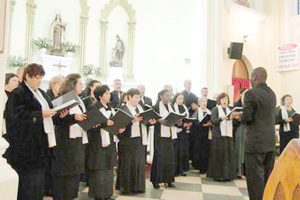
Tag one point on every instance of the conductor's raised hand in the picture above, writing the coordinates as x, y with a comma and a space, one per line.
152, 121
137, 119
80, 117
64, 113
110, 122
122, 130
48, 113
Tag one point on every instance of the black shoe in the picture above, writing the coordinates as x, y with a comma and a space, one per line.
183, 174
155, 185
171, 185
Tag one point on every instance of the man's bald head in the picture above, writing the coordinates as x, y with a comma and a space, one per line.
258, 76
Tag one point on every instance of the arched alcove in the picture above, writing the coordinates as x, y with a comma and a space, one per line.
240, 77
128, 66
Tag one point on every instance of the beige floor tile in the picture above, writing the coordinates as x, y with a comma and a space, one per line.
132, 198
241, 183
179, 195
226, 190
188, 179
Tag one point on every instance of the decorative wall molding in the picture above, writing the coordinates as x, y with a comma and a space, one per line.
84, 17
31, 6
128, 68
12, 4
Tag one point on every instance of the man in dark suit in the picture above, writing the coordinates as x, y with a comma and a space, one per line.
210, 103
144, 100
189, 97
259, 119
116, 94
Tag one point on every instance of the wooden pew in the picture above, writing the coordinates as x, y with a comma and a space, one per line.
284, 181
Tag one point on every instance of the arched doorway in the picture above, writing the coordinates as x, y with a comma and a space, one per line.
240, 78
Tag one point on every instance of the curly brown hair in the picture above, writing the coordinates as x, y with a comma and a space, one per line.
221, 96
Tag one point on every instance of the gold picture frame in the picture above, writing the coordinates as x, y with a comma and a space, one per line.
2, 24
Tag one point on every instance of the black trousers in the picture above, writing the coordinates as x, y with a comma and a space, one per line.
65, 187
31, 185
258, 169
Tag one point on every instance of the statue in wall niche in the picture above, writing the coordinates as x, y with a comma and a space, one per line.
117, 53
57, 32
244, 3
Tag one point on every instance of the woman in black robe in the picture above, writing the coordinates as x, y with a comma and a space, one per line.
54, 87
101, 150
131, 165
69, 153
203, 137
87, 95
30, 130
181, 144
221, 164
162, 170
289, 128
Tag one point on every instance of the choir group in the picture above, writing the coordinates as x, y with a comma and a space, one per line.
51, 153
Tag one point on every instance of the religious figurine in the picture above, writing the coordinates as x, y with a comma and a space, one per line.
57, 34
117, 53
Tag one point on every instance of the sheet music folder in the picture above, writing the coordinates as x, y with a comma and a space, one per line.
94, 117
68, 100
149, 114
121, 120
172, 118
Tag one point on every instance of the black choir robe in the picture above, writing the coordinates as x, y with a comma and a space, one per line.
100, 162
147, 101
181, 149
114, 99
201, 147
221, 164
211, 104
286, 137
162, 170
69, 160
27, 139
131, 163
189, 98
50, 94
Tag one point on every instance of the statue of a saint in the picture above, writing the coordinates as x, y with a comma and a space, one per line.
57, 31
117, 53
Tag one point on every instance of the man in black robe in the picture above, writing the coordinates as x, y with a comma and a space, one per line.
144, 100
189, 97
260, 144
210, 103
116, 94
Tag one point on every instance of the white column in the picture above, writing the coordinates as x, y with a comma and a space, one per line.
102, 61
29, 30
9, 27
214, 44
83, 27
129, 71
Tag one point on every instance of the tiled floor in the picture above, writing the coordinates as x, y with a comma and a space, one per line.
189, 187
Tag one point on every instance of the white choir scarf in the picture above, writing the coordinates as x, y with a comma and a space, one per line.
284, 115
187, 114
75, 130
225, 125
166, 131
105, 138
4, 131
48, 122
201, 116
135, 127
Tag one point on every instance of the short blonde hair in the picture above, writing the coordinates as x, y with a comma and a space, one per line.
54, 80
200, 99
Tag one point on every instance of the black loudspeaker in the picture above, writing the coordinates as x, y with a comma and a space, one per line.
236, 50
